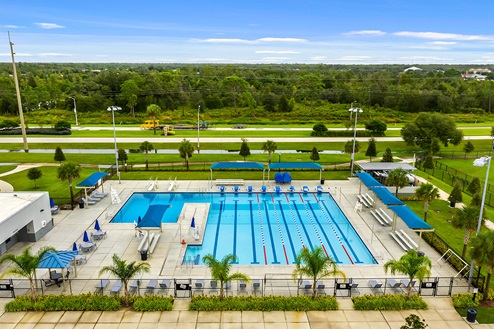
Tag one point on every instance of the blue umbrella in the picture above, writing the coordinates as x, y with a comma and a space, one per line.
193, 223
74, 246
85, 238
96, 226
139, 220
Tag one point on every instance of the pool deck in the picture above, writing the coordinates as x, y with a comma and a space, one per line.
166, 260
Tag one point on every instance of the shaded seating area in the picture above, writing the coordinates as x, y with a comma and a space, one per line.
93, 181
279, 166
60, 259
244, 165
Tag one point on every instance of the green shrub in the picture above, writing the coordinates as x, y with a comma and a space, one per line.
47, 303
266, 303
388, 302
8, 124
62, 125
465, 300
153, 303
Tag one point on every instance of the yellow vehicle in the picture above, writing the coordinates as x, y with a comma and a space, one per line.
148, 124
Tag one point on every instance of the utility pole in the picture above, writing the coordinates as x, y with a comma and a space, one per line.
19, 102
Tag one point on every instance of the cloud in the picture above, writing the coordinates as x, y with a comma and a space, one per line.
444, 36
318, 58
442, 43
250, 42
49, 26
428, 59
352, 58
276, 52
54, 55
8, 26
428, 47
370, 33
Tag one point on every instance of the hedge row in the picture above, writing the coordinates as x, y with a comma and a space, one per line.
263, 303
36, 131
388, 302
88, 302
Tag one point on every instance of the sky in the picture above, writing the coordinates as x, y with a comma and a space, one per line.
270, 31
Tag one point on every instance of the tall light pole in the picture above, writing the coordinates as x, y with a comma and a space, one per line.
480, 163
198, 144
75, 111
113, 109
355, 110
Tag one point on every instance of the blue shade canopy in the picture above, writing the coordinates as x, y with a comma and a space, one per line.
295, 165
74, 247
413, 221
85, 237
386, 196
96, 226
367, 179
57, 259
237, 165
92, 179
153, 216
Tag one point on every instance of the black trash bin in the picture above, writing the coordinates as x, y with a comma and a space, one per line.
81, 204
421, 253
471, 315
322, 180
144, 254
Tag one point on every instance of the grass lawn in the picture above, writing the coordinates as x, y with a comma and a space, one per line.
6, 168
484, 314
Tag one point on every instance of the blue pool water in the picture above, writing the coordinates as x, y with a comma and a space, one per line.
260, 228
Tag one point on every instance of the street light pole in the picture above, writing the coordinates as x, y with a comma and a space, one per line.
198, 145
75, 111
357, 111
113, 109
480, 163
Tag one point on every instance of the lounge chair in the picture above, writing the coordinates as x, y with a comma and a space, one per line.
307, 287
199, 287
101, 286
165, 285
242, 288
214, 287
89, 202
134, 286
54, 208
97, 194
395, 285
256, 285
406, 283
92, 199
320, 288
115, 289
376, 286
151, 286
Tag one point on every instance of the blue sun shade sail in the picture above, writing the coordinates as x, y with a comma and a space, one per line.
294, 165
153, 216
57, 259
386, 196
237, 165
413, 221
368, 180
92, 180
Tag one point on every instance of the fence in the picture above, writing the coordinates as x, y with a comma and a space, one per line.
269, 285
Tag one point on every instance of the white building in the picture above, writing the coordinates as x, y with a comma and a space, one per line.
24, 216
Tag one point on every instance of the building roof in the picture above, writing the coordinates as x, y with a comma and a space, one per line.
92, 179
413, 68
386, 166
13, 202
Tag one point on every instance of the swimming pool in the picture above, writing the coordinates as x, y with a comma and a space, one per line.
260, 228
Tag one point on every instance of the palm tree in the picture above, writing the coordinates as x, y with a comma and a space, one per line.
125, 271
412, 265
25, 265
467, 219
154, 111
220, 270
316, 265
146, 147
270, 147
186, 150
482, 253
398, 178
427, 193
68, 171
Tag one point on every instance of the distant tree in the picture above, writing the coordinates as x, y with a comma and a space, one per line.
476, 200
314, 154
482, 253
428, 162
34, 174
349, 146
474, 186
62, 125
371, 149
428, 126
59, 156
427, 193
69, 171
235, 85
270, 147
387, 156
244, 149
319, 129
397, 178
146, 147
311, 87
154, 111
129, 91
186, 150
122, 156
468, 147
466, 219
269, 101
376, 127
456, 194
283, 104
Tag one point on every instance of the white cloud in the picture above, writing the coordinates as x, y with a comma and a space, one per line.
54, 55
318, 58
12, 26
444, 36
246, 41
49, 26
427, 59
275, 58
277, 52
371, 33
428, 47
442, 43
